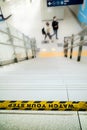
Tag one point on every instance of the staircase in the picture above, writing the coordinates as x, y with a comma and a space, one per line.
51, 79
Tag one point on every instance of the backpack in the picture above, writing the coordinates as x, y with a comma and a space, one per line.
43, 31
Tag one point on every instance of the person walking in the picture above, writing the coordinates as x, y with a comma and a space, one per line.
48, 30
55, 27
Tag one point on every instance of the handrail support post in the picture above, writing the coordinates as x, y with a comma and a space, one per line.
65, 47
80, 49
25, 47
71, 51
11, 40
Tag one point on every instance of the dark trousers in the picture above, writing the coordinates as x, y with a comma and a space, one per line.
55, 33
48, 34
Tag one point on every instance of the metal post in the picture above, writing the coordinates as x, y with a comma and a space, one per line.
30, 1
71, 51
11, 40
65, 47
80, 49
25, 47
32, 46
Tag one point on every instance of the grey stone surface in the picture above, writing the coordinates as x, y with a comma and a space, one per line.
43, 121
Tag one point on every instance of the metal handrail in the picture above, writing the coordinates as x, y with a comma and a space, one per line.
79, 33
77, 44
3, 32
22, 39
12, 45
84, 30
16, 37
19, 46
5, 44
73, 45
76, 39
73, 39
11, 35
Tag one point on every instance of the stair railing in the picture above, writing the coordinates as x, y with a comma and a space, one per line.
17, 42
73, 41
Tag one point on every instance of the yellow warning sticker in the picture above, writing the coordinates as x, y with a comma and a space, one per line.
44, 105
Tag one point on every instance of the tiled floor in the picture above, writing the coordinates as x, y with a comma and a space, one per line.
40, 121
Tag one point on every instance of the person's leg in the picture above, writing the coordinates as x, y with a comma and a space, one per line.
45, 36
49, 35
56, 33
53, 33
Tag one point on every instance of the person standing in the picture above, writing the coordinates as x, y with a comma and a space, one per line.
55, 27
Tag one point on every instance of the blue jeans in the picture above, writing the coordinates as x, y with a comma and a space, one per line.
55, 33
